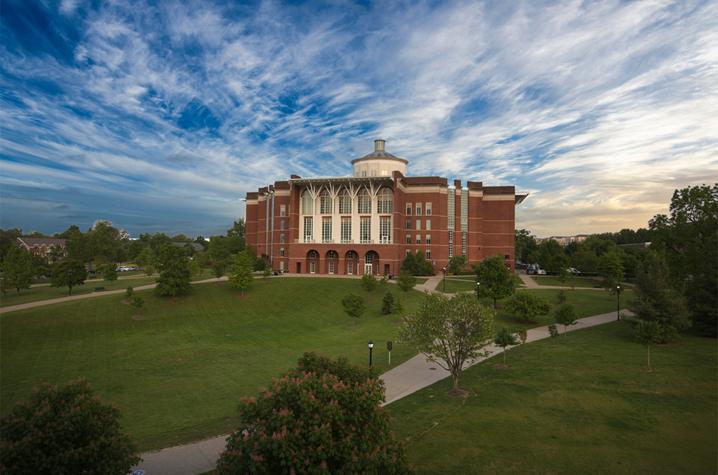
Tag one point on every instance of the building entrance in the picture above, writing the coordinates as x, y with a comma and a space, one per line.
367, 269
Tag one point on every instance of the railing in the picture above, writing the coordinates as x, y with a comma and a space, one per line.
304, 241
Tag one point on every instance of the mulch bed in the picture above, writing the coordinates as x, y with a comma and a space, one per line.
137, 317
218, 285
127, 302
240, 296
503, 366
459, 393
352, 326
524, 322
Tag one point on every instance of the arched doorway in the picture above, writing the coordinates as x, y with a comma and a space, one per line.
371, 263
332, 262
352, 261
312, 262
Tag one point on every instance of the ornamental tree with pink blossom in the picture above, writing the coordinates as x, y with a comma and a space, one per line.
322, 417
65, 430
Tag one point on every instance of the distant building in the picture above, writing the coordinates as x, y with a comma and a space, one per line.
564, 240
369, 222
197, 246
41, 246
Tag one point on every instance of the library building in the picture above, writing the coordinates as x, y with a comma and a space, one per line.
369, 222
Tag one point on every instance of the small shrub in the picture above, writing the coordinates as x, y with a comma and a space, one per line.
386, 303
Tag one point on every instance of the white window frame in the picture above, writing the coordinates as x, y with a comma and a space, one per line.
307, 203
385, 201
365, 231
345, 202
326, 230
331, 267
427, 239
282, 211
326, 203
346, 230
428, 209
308, 230
385, 230
418, 239
427, 227
281, 252
418, 209
364, 202
312, 267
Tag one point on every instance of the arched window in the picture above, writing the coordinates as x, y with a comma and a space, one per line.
364, 202
345, 202
368, 257
326, 204
307, 203
385, 201
313, 254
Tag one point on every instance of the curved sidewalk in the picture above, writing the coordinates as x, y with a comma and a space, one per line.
399, 382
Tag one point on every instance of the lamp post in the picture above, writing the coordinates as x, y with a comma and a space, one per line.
69, 284
618, 303
444, 279
371, 345
478, 291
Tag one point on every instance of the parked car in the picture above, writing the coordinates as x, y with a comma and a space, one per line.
540, 272
573, 270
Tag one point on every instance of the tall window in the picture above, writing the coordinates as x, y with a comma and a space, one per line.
428, 253
451, 244
326, 204
365, 230
326, 230
281, 223
282, 210
418, 209
408, 209
368, 257
331, 267
350, 268
463, 244
364, 202
312, 267
373, 173
428, 209
346, 230
450, 207
418, 225
332, 254
281, 238
345, 202
428, 225
281, 252
385, 201
408, 224
307, 203
385, 230
281, 266
408, 239
308, 230
465, 209
428, 239
418, 239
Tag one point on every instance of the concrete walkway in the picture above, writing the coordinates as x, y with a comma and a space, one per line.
401, 381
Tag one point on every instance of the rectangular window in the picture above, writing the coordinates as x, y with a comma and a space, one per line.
307, 203
450, 208
465, 209
463, 244
418, 239
385, 230
281, 252
408, 239
428, 209
326, 230
363, 174
350, 268
331, 267
281, 266
507, 257
428, 254
428, 239
281, 224
365, 231
418, 225
428, 225
373, 173
418, 209
451, 244
408, 209
346, 230
408, 224
408, 251
312, 267
308, 230
345, 203
281, 238
282, 210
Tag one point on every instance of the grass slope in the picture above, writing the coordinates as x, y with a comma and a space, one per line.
587, 407
177, 375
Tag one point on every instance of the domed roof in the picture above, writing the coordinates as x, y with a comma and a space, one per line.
379, 152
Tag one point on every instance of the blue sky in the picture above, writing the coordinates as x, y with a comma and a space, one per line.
159, 116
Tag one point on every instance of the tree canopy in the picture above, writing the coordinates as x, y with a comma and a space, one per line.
18, 269
241, 276
68, 273
495, 278
527, 305
175, 272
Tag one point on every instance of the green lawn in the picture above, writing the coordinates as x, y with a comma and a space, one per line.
178, 374
465, 284
576, 281
588, 407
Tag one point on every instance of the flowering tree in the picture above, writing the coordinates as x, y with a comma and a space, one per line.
321, 417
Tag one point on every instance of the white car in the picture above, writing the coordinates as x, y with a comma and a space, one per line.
573, 270
540, 272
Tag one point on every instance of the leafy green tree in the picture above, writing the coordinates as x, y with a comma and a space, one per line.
386, 303
522, 335
137, 302
406, 282
129, 293
181, 238
267, 273
175, 273
18, 270
8, 240
323, 417
553, 331
495, 278
354, 306
551, 256
410, 265
562, 275
424, 266
457, 264
195, 268
656, 301
68, 273
647, 333
218, 269
369, 283
398, 308
146, 258
610, 265
566, 315
134, 250
561, 297
241, 275
585, 261
66, 233
65, 430
527, 305
524, 244
57, 253
109, 274
218, 249
384, 283
449, 332
202, 260
505, 338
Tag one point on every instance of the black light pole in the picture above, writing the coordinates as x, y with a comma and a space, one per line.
478, 293
618, 303
69, 284
371, 345
444, 279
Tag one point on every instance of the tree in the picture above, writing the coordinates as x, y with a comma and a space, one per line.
137, 302
553, 331
409, 264
657, 301
610, 265
267, 273
562, 275
527, 305
68, 273
386, 303
551, 256
406, 282
241, 275
398, 308
18, 270
368, 283
134, 250
561, 297
146, 258
424, 266
585, 261
57, 253
495, 278
505, 338
566, 315
109, 274
175, 273
65, 430
522, 335
524, 244
323, 416
202, 260
647, 333
457, 264
129, 293
354, 306
218, 269
383, 283
455, 330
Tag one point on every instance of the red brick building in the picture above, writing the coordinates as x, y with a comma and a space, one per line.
41, 246
370, 221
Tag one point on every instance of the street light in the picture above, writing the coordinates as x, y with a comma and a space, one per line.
478, 291
69, 284
371, 345
444, 279
618, 303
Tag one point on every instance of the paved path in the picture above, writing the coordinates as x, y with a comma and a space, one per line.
401, 381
